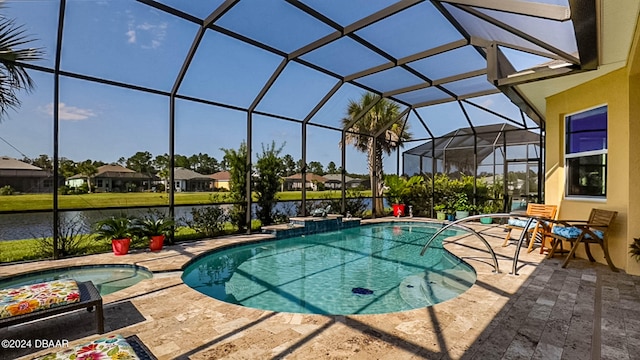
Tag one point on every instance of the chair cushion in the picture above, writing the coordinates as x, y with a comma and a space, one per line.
110, 347
571, 232
30, 298
521, 223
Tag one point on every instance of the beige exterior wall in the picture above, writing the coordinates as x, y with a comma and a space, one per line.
221, 184
620, 91
634, 146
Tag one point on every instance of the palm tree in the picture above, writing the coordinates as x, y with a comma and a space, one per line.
384, 114
13, 77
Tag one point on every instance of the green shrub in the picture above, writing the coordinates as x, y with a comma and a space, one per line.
354, 205
209, 221
238, 169
419, 197
6, 190
73, 238
270, 169
446, 191
461, 203
82, 189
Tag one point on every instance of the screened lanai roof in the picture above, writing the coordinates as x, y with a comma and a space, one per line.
484, 138
254, 55
417, 53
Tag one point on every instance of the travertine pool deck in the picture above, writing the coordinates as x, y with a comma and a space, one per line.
545, 312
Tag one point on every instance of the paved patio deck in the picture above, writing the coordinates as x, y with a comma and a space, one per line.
546, 312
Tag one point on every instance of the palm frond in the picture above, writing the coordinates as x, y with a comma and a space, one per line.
13, 76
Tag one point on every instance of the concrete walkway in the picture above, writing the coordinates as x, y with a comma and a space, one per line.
545, 312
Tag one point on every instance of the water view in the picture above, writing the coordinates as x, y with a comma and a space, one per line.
38, 225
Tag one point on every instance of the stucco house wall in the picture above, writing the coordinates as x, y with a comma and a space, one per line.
620, 91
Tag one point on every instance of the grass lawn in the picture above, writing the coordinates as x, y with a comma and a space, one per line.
101, 200
28, 249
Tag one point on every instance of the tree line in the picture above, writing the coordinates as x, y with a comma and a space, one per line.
145, 163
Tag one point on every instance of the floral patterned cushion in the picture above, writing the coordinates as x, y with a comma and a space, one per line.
106, 348
30, 298
571, 232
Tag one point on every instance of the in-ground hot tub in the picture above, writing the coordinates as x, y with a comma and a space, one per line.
108, 278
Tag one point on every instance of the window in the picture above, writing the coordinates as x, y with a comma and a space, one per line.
586, 153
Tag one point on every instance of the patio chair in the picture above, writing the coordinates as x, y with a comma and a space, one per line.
537, 226
593, 231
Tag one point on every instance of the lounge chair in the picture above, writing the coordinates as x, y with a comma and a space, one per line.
87, 297
109, 347
536, 227
595, 231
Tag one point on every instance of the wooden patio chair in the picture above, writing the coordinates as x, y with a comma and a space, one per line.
541, 227
593, 231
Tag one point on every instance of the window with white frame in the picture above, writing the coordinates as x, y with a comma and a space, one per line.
586, 153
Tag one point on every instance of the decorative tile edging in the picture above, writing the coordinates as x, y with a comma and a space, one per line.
299, 226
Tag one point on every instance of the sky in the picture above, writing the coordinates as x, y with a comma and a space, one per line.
130, 42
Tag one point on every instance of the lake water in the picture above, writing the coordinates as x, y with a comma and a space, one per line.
38, 225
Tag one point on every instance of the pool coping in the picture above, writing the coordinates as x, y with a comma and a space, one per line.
70, 267
171, 329
466, 265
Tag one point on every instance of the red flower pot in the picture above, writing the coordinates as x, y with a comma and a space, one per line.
120, 246
398, 210
156, 242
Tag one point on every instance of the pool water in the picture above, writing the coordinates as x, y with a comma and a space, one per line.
107, 278
372, 269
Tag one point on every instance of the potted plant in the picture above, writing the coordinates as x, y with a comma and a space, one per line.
462, 206
156, 228
634, 249
449, 208
487, 209
490, 207
441, 211
398, 189
118, 229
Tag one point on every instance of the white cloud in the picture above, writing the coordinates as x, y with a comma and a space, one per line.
70, 112
487, 103
131, 36
145, 26
147, 35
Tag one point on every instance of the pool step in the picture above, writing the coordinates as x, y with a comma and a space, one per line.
428, 288
299, 226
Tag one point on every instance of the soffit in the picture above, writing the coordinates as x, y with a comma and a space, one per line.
617, 27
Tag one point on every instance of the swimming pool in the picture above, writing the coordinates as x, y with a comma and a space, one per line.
107, 278
371, 269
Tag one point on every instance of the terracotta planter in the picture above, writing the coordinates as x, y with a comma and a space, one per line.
156, 242
398, 210
120, 246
